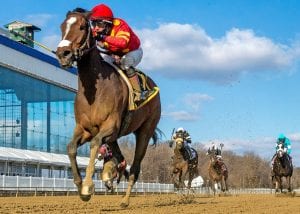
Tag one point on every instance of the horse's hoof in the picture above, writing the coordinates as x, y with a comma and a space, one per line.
85, 197
88, 190
124, 203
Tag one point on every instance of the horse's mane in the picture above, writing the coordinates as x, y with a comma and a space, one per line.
79, 10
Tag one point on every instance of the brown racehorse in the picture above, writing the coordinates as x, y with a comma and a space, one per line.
218, 173
101, 105
282, 167
181, 168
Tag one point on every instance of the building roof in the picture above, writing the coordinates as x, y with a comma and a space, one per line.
35, 157
22, 24
4, 32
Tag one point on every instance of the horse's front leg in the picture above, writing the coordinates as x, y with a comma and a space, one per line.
276, 185
72, 153
280, 184
185, 175
88, 186
213, 186
226, 184
223, 184
289, 183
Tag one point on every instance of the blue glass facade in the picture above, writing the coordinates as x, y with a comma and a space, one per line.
35, 114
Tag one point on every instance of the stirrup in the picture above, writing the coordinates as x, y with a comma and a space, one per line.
147, 93
142, 96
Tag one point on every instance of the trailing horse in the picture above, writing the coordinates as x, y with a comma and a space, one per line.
101, 105
282, 167
217, 171
183, 169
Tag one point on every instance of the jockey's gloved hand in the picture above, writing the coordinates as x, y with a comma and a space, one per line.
100, 37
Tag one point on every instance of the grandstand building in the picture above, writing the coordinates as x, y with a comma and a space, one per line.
36, 111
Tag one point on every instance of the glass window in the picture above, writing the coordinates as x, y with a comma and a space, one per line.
34, 114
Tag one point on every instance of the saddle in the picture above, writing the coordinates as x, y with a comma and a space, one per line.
190, 156
287, 161
220, 167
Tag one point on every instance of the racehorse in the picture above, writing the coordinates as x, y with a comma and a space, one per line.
282, 167
217, 171
101, 104
183, 169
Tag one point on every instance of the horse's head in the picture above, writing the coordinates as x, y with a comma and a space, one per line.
212, 155
179, 140
280, 150
76, 35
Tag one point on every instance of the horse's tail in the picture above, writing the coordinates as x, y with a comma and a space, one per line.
157, 135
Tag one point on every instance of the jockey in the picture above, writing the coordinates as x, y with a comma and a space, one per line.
217, 151
286, 143
287, 148
122, 44
187, 140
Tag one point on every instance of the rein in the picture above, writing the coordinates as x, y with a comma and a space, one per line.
85, 47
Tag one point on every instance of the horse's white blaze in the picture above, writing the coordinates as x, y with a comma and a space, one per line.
65, 42
70, 21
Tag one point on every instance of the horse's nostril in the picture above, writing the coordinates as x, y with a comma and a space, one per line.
66, 53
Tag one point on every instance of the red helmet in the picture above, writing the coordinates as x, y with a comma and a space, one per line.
102, 11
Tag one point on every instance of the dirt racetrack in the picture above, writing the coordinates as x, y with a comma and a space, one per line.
152, 204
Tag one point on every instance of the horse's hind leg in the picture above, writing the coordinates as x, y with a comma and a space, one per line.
280, 184
118, 155
142, 139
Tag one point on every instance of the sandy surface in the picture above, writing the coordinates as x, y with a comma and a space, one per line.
152, 204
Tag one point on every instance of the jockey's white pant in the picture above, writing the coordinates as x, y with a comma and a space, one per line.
131, 59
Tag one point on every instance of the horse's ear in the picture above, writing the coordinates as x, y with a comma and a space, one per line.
79, 10
68, 13
87, 14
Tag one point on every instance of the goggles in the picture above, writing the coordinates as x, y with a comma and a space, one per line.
100, 23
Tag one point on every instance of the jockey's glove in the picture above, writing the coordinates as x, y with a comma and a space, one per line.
99, 36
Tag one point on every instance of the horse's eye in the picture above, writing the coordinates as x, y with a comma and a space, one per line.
82, 28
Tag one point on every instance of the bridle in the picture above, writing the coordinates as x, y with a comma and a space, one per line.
280, 152
85, 46
179, 142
